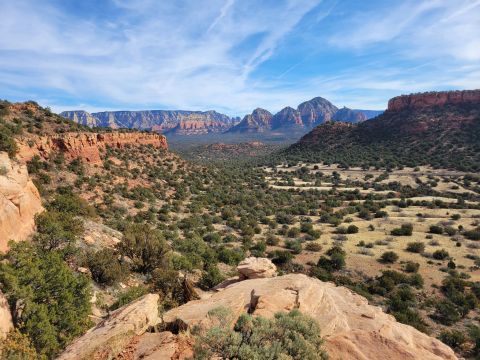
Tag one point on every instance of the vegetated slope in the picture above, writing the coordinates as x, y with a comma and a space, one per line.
441, 133
179, 122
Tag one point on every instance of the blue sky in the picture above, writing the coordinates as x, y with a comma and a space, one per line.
234, 55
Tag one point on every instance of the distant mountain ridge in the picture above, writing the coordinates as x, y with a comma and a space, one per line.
300, 120
289, 122
441, 129
182, 122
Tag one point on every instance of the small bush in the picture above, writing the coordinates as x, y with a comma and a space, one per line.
286, 336
389, 257
404, 230
440, 254
416, 247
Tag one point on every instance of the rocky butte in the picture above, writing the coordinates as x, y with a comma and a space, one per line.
430, 99
85, 145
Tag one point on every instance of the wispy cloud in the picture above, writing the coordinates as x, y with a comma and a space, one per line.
233, 55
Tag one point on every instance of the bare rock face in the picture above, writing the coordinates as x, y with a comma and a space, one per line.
256, 268
86, 146
429, 99
6, 323
19, 202
110, 337
352, 328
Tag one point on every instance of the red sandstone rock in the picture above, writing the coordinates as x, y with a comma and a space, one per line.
19, 202
429, 99
86, 145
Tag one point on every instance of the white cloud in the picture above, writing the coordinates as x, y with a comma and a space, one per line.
206, 54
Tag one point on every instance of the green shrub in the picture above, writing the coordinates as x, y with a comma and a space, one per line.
57, 230
404, 230
105, 267
286, 336
440, 254
128, 296
146, 248
51, 302
416, 247
389, 257
436, 229
211, 277
452, 338
411, 267
352, 229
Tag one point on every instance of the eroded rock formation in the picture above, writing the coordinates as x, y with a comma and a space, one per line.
114, 334
19, 202
429, 99
256, 268
86, 146
352, 328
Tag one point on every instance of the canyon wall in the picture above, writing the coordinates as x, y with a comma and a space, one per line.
19, 202
429, 99
86, 146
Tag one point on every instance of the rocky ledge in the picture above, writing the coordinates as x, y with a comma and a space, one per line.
429, 99
86, 146
352, 328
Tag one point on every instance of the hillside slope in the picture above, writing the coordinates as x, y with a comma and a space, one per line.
441, 129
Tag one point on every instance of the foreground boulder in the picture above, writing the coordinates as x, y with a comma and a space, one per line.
111, 336
256, 268
352, 328
5, 317
19, 202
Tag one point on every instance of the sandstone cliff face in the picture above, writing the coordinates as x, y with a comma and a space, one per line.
316, 111
86, 146
156, 120
352, 329
287, 117
19, 202
429, 99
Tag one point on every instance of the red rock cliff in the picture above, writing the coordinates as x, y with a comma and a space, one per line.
85, 145
423, 100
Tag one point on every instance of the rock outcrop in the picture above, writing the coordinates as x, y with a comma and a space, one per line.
352, 328
259, 120
429, 99
19, 202
111, 336
256, 268
316, 111
85, 145
6, 323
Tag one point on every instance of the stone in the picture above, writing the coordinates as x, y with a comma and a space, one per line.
352, 328
256, 268
111, 336
6, 324
19, 202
